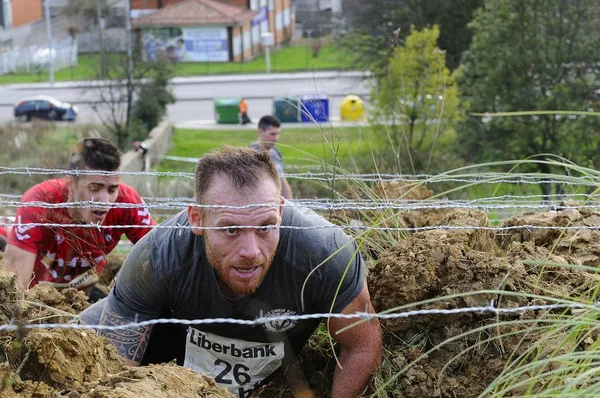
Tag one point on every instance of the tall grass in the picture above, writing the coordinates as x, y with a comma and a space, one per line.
555, 353
39, 144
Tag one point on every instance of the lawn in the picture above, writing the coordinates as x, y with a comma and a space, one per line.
303, 150
300, 147
292, 58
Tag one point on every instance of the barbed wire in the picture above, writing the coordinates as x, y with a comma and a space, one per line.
500, 199
333, 206
528, 227
267, 319
492, 178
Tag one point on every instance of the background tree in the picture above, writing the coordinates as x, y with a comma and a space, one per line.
419, 97
84, 8
130, 105
153, 98
532, 55
376, 26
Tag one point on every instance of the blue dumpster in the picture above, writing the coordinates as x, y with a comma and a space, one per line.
314, 108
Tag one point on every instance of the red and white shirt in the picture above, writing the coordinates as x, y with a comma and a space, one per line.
65, 253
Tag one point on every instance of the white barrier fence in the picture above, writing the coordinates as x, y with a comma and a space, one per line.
35, 58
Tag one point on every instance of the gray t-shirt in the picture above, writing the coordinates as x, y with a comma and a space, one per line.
275, 157
167, 274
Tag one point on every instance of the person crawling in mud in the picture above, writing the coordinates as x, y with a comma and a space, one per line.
74, 256
247, 253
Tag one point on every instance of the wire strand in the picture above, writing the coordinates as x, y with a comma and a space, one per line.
423, 205
491, 178
528, 227
262, 320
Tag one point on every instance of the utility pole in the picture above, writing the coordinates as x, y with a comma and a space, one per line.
129, 39
129, 60
50, 47
308, 43
101, 39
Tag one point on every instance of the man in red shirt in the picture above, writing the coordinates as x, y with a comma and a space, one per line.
74, 256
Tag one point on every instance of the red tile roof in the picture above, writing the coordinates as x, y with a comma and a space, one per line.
196, 12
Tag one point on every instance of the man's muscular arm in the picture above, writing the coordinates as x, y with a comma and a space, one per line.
20, 262
138, 295
360, 348
131, 343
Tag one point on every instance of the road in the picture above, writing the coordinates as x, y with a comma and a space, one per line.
195, 95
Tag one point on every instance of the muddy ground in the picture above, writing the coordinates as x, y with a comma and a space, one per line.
420, 266
76, 363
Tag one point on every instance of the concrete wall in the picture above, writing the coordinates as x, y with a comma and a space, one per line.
158, 144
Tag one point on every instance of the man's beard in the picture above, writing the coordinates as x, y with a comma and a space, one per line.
242, 288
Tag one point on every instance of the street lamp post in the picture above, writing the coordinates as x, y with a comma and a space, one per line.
50, 47
308, 43
267, 41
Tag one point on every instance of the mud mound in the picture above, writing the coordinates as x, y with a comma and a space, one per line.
583, 244
437, 263
398, 189
168, 381
556, 277
42, 304
9, 293
160, 381
64, 358
69, 300
76, 363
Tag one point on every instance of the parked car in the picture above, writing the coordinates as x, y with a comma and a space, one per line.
44, 107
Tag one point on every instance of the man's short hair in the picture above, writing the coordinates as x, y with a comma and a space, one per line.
95, 154
243, 166
268, 121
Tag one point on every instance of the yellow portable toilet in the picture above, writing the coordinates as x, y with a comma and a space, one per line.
352, 109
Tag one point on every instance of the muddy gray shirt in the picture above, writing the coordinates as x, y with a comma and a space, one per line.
167, 275
275, 157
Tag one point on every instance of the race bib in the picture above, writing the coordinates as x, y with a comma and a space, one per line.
237, 365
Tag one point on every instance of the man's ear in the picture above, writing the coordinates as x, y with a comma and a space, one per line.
195, 219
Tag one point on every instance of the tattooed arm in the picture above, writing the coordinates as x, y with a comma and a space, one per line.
131, 342
138, 295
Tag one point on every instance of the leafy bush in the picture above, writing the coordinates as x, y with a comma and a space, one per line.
416, 101
153, 98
